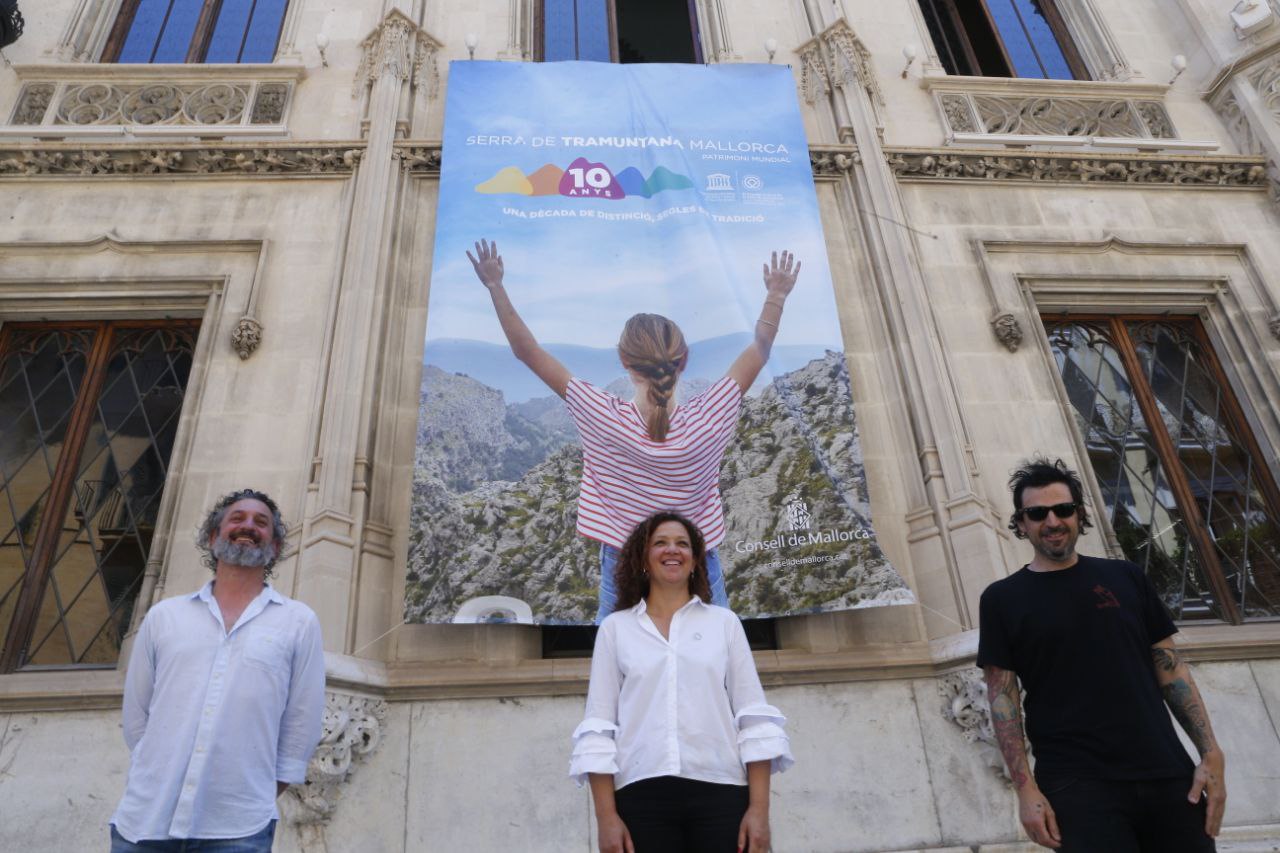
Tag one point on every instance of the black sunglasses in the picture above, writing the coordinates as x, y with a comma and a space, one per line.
1040, 513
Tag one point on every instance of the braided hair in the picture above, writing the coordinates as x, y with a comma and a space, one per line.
654, 347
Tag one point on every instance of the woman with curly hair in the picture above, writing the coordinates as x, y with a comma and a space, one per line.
672, 769
651, 454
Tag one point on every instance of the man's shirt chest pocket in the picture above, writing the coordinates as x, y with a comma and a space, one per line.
267, 650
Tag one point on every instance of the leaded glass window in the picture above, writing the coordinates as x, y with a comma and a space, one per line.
172, 31
88, 417
1187, 493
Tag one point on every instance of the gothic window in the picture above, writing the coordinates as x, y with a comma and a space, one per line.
1184, 482
1003, 38
88, 417
620, 30
170, 31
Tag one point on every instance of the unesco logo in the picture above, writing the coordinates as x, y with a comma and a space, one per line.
752, 182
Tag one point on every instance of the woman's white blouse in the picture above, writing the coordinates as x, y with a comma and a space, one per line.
691, 706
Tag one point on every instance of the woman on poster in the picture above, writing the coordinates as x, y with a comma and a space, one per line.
651, 454
676, 768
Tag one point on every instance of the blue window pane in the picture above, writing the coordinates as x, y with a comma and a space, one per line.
1032, 47
175, 39
264, 31
228, 32
559, 28
593, 30
140, 43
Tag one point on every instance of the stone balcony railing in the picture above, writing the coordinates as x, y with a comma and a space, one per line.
76, 100
1000, 111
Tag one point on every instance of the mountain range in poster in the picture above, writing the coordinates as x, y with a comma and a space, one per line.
495, 488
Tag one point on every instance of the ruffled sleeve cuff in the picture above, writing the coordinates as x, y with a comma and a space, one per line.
594, 749
762, 738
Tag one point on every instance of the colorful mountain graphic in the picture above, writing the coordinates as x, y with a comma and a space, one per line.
584, 179
509, 181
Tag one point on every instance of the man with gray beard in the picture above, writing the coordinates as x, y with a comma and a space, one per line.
223, 698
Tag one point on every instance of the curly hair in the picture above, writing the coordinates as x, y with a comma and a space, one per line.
654, 347
214, 520
631, 576
1038, 472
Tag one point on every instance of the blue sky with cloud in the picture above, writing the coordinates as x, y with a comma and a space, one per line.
576, 280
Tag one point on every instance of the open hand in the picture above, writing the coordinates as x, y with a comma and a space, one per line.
487, 263
780, 273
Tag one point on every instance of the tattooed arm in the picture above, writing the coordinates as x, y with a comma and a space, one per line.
1183, 698
1006, 717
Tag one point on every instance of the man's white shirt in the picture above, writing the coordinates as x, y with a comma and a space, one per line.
213, 718
689, 706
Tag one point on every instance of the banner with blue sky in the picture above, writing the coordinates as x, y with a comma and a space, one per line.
611, 190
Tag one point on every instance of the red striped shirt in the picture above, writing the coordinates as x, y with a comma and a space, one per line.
626, 476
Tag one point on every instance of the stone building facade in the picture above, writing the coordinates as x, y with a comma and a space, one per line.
264, 227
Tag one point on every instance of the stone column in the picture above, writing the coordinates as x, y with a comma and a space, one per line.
955, 546
329, 563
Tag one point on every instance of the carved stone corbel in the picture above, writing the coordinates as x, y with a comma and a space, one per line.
246, 337
964, 703
1274, 325
1007, 330
352, 731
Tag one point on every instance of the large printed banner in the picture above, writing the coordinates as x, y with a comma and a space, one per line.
612, 190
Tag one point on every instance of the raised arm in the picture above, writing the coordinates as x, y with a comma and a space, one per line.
1183, 698
779, 279
1006, 718
488, 266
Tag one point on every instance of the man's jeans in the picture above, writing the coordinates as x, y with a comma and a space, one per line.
609, 593
259, 842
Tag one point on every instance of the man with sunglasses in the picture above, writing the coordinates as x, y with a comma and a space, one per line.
1092, 645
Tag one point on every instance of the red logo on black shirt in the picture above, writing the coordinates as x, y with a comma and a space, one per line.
1106, 598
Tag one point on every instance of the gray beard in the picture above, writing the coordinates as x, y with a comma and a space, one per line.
246, 556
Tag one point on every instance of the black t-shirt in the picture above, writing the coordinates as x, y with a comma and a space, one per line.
1080, 641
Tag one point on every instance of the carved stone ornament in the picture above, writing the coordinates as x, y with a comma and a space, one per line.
62, 160
352, 731
850, 60
419, 159
269, 104
814, 82
959, 112
1274, 325
247, 336
33, 103
831, 164
1238, 125
1050, 115
1007, 330
399, 47
159, 104
1266, 81
947, 165
964, 702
